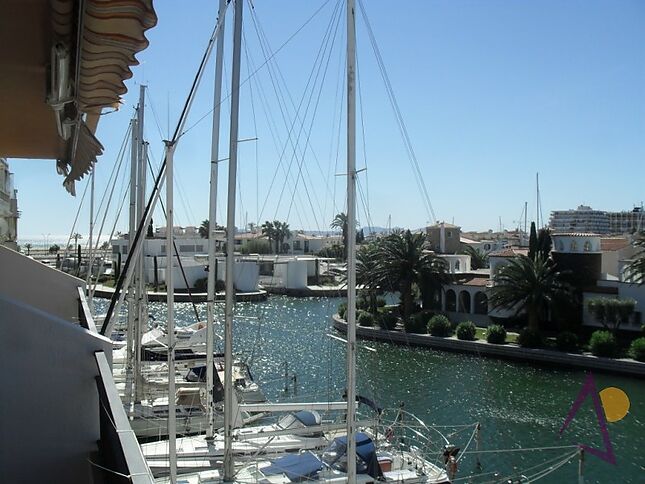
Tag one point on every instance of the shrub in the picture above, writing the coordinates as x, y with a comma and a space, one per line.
603, 343
496, 334
342, 310
466, 331
256, 246
529, 338
365, 318
637, 349
417, 323
387, 320
363, 303
439, 325
567, 341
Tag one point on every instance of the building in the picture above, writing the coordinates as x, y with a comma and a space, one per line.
444, 238
627, 222
298, 243
614, 251
581, 220
8, 207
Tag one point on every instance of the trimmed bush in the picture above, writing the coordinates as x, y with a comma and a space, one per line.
637, 349
529, 338
603, 343
567, 341
439, 325
417, 323
365, 318
387, 321
466, 331
342, 310
496, 334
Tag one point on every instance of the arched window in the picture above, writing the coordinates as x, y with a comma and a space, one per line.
574, 246
464, 302
457, 265
481, 303
451, 300
587, 245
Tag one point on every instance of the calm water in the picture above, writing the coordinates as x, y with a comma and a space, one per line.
518, 405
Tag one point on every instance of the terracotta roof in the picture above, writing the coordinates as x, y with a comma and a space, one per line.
610, 244
576, 234
446, 225
509, 252
472, 280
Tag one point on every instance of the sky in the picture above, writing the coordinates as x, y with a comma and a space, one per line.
490, 93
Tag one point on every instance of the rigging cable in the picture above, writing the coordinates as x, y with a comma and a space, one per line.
399, 117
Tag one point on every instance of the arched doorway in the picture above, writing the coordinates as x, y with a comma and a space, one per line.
451, 300
464, 302
481, 303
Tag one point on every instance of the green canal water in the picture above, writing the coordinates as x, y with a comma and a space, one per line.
518, 405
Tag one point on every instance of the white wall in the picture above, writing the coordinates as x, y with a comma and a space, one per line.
34, 283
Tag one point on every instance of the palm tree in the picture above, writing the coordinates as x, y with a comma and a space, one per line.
478, 258
405, 262
367, 272
269, 229
528, 285
281, 232
635, 271
340, 222
28, 247
203, 229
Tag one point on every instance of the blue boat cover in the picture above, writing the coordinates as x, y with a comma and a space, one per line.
296, 467
365, 448
307, 418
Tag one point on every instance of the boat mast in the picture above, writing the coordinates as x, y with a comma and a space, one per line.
170, 301
130, 339
140, 317
90, 254
230, 246
212, 218
351, 241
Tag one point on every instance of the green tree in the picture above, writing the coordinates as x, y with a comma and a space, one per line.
282, 232
611, 312
269, 229
205, 226
340, 222
533, 242
368, 274
54, 249
28, 247
635, 271
405, 263
528, 285
478, 258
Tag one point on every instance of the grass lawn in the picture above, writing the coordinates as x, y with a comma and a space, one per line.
510, 337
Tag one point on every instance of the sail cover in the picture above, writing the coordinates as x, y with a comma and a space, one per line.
296, 467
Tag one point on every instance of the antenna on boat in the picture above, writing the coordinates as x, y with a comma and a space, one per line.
230, 247
212, 217
351, 240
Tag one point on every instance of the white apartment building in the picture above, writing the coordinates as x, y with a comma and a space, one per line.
8, 207
581, 220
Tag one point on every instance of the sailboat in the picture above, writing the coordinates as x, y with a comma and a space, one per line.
350, 456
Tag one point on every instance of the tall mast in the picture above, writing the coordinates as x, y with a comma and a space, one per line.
230, 246
351, 240
170, 301
212, 218
90, 255
140, 317
537, 200
131, 234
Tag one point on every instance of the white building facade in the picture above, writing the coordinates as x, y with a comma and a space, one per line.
8, 207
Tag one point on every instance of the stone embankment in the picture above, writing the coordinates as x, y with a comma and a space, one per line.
507, 351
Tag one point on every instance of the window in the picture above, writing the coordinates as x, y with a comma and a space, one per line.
574, 246
486, 246
451, 300
587, 246
124, 249
115, 249
457, 265
296, 245
163, 249
449, 233
186, 248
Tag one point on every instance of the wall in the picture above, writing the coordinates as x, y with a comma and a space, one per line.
49, 406
625, 290
34, 283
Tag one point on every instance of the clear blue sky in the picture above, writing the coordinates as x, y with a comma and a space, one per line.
491, 92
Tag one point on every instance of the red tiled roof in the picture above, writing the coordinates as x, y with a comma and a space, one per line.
472, 280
